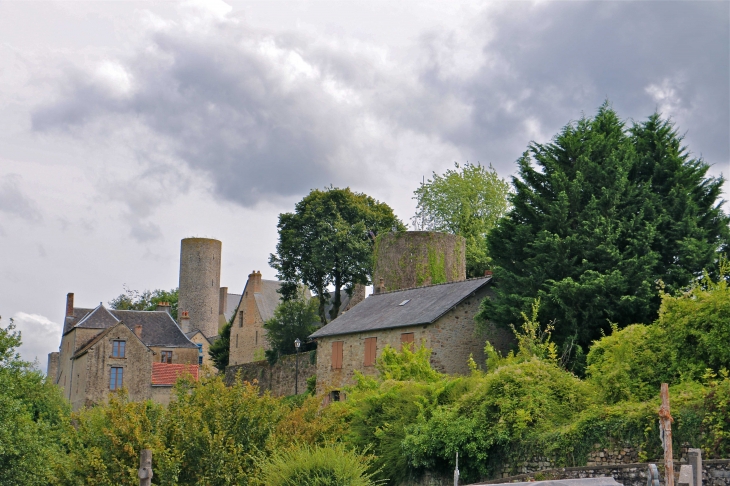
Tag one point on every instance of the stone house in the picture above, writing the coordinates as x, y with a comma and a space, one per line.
256, 306
441, 317
105, 349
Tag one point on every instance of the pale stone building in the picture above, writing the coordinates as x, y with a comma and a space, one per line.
103, 350
441, 317
256, 306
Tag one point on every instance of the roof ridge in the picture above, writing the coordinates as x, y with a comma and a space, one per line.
432, 285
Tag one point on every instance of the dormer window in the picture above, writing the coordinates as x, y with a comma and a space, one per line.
118, 349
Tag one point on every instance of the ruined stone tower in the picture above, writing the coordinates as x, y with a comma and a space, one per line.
417, 258
200, 283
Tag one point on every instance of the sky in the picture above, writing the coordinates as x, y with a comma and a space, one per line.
126, 126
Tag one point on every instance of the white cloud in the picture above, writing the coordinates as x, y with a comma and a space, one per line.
40, 336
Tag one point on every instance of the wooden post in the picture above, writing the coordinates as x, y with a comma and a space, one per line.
665, 432
145, 468
456, 470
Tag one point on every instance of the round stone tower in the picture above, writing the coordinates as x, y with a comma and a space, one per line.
417, 258
200, 281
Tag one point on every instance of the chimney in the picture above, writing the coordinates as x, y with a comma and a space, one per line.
255, 281
185, 321
163, 306
223, 301
380, 288
487, 273
69, 304
138, 330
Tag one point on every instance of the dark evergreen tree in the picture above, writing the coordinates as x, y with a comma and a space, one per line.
600, 215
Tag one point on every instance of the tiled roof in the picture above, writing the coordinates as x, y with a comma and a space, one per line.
168, 373
408, 307
158, 327
231, 305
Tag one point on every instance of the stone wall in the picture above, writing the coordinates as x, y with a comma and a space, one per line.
452, 338
279, 379
417, 258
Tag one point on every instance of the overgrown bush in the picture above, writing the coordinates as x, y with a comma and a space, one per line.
332, 465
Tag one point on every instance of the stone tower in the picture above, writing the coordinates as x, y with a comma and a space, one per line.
417, 258
200, 282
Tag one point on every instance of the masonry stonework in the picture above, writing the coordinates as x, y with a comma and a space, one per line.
199, 287
248, 336
452, 339
278, 379
418, 258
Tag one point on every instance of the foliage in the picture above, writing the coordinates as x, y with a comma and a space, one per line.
327, 241
406, 364
690, 336
309, 424
293, 319
598, 216
146, 300
331, 465
465, 201
220, 349
716, 421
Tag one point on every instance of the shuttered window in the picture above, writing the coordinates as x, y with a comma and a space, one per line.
337, 355
370, 347
406, 339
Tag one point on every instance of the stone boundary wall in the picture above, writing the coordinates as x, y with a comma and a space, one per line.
715, 472
278, 379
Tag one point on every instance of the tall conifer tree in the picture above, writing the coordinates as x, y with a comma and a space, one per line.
599, 216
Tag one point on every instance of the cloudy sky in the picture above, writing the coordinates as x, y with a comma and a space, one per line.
126, 126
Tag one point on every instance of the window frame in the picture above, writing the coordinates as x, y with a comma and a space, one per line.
117, 346
116, 378
167, 354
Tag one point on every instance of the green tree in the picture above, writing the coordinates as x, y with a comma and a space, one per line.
293, 319
328, 241
34, 420
146, 300
587, 233
219, 350
465, 201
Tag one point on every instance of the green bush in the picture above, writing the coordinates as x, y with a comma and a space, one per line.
332, 465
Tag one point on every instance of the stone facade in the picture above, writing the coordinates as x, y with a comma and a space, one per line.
418, 258
452, 338
199, 288
248, 336
197, 338
278, 379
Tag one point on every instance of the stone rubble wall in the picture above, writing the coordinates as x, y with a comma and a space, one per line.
279, 378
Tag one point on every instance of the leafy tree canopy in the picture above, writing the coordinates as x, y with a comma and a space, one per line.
220, 349
328, 241
293, 319
598, 217
146, 300
466, 201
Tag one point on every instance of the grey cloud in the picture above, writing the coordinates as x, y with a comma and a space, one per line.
14, 202
553, 60
261, 115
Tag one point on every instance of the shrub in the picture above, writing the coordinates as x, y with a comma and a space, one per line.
332, 465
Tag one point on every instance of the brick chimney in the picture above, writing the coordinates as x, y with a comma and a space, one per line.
380, 288
185, 321
69, 304
223, 301
255, 280
163, 306
138, 330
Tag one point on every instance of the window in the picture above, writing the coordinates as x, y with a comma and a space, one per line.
166, 357
200, 354
370, 347
236, 340
406, 339
118, 349
257, 337
117, 378
337, 355
240, 319
335, 396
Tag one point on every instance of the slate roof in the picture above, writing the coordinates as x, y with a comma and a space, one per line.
231, 305
268, 299
168, 373
382, 311
158, 328
192, 333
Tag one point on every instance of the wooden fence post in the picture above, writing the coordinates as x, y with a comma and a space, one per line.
145, 468
665, 433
